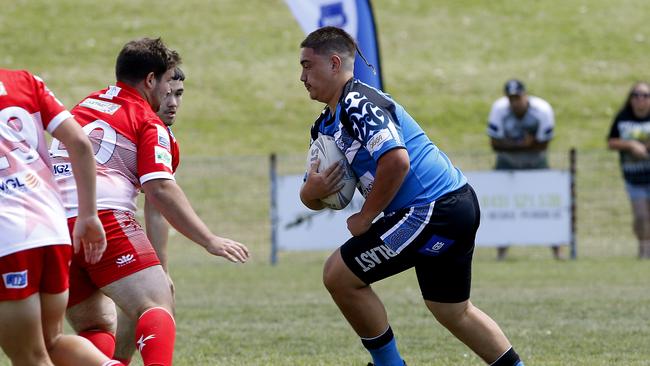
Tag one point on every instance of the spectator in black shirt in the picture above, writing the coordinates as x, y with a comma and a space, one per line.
630, 135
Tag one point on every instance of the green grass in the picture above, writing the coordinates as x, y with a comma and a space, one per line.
588, 312
445, 61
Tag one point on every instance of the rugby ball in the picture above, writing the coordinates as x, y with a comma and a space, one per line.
324, 148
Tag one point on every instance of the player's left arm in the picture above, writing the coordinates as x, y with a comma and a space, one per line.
392, 168
88, 230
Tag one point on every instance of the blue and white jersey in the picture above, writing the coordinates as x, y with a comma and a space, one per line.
366, 124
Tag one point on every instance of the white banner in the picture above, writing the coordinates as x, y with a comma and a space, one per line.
517, 208
314, 14
530, 207
299, 228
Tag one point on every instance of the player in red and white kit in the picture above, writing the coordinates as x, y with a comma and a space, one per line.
133, 152
155, 224
35, 246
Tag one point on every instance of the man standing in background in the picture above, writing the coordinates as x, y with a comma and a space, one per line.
520, 128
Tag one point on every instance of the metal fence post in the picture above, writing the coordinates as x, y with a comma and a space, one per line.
274, 210
572, 174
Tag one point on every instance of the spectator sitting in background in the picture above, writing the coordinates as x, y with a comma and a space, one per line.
630, 135
520, 127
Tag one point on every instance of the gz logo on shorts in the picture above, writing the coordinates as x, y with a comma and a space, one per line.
436, 246
15, 279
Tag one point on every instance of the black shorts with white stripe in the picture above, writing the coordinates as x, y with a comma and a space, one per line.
437, 239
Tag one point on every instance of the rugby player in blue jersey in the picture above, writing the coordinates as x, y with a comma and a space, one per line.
430, 212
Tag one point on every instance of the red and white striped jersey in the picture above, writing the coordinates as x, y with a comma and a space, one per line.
132, 146
32, 211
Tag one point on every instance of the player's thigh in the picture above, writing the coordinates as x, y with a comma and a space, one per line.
21, 334
447, 279
96, 311
140, 291
445, 251
370, 258
337, 274
54, 289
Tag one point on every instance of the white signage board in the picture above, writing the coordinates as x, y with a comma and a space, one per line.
517, 208
530, 207
299, 228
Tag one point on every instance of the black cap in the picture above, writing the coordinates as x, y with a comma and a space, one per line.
514, 87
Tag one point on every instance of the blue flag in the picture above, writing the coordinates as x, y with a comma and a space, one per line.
356, 18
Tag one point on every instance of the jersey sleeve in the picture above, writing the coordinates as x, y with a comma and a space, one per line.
495, 119
53, 112
373, 125
154, 153
546, 122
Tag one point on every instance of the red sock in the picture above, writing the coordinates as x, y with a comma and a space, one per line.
155, 334
103, 340
125, 361
113, 363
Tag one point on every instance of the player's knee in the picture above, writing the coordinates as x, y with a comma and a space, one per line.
338, 278
105, 321
332, 274
329, 278
50, 342
449, 314
36, 356
29, 353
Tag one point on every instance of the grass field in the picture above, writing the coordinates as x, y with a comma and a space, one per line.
445, 62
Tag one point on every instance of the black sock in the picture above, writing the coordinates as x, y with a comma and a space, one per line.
380, 341
383, 349
510, 358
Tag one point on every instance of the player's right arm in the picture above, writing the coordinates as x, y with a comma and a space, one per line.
320, 185
88, 230
171, 201
157, 231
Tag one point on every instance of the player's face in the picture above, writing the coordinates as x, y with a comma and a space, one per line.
640, 100
518, 104
317, 75
171, 102
161, 89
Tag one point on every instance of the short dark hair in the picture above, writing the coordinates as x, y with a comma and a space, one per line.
178, 74
141, 56
329, 40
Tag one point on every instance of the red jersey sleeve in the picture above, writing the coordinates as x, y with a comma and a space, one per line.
154, 153
53, 112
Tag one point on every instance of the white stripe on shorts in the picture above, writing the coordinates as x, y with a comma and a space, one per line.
415, 233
